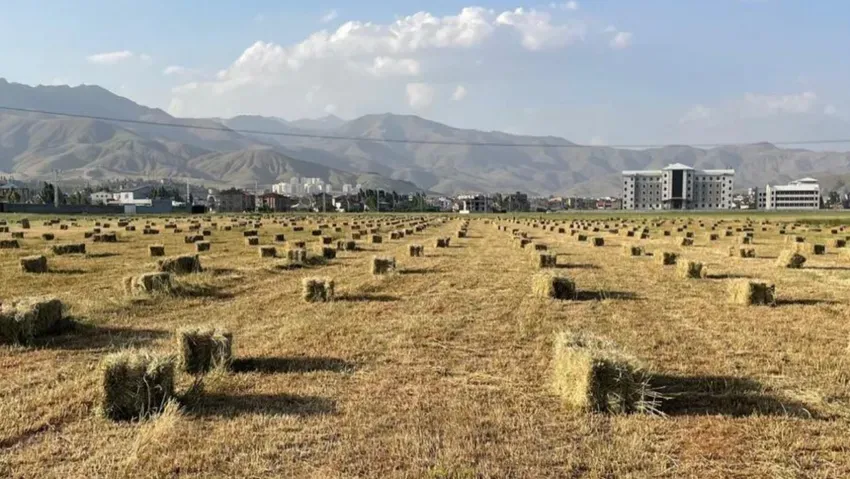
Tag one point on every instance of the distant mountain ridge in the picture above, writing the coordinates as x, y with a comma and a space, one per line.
424, 154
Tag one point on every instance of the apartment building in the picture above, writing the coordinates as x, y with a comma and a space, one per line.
678, 187
801, 194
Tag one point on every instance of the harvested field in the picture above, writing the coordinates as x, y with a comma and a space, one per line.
443, 369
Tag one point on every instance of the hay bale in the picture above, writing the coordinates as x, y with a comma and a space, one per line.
48, 236
383, 265
667, 258
267, 251
327, 240
249, 233
135, 384
738, 252
315, 290
790, 259
581, 237
328, 252
202, 349
416, 250
593, 375
252, 240
72, 248
279, 238
156, 250
839, 243
34, 264
184, 264
630, 250
25, 319
443, 242
461, 234
202, 246
751, 293
598, 241
9, 244
809, 248
149, 284
377, 239
690, 270
685, 241
546, 260
296, 255
551, 285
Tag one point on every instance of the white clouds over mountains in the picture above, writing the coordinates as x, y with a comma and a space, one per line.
363, 67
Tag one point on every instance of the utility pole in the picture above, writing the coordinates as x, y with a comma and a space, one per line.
188, 192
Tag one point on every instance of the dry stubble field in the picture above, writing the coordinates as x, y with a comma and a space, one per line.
441, 370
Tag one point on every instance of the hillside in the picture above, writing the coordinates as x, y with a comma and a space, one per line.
422, 154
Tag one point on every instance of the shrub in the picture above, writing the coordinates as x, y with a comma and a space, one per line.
752, 293
202, 349
135, 384
592, 375
315, 290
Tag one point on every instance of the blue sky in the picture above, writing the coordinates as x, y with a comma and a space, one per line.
602, 71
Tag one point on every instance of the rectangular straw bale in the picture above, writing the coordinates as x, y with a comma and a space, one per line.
202, 349
752, 293
135, 384
315, 290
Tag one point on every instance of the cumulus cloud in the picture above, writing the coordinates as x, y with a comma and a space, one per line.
329, 16
621, 40
362, 67
459, 93
537, 30
420, 95
387, 66
110, 58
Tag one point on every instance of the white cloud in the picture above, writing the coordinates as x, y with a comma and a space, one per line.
459, 93
695, 114
386, 66
610, 29
110, 58
362, 67
329, 16
571, 5
537, 30
177, 70
330, 109
621, 40
420, 95
830, 110
773, 104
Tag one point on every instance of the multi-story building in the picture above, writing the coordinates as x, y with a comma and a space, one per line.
473, 204
678, 187
273, 202
102, 197
234, 200
802, 194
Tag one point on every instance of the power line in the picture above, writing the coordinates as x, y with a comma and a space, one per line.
315, 136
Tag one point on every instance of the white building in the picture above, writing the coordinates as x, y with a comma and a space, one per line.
802, 194
678, 187
102, 197
473, 204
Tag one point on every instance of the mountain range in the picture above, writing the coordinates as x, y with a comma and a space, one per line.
422, 156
